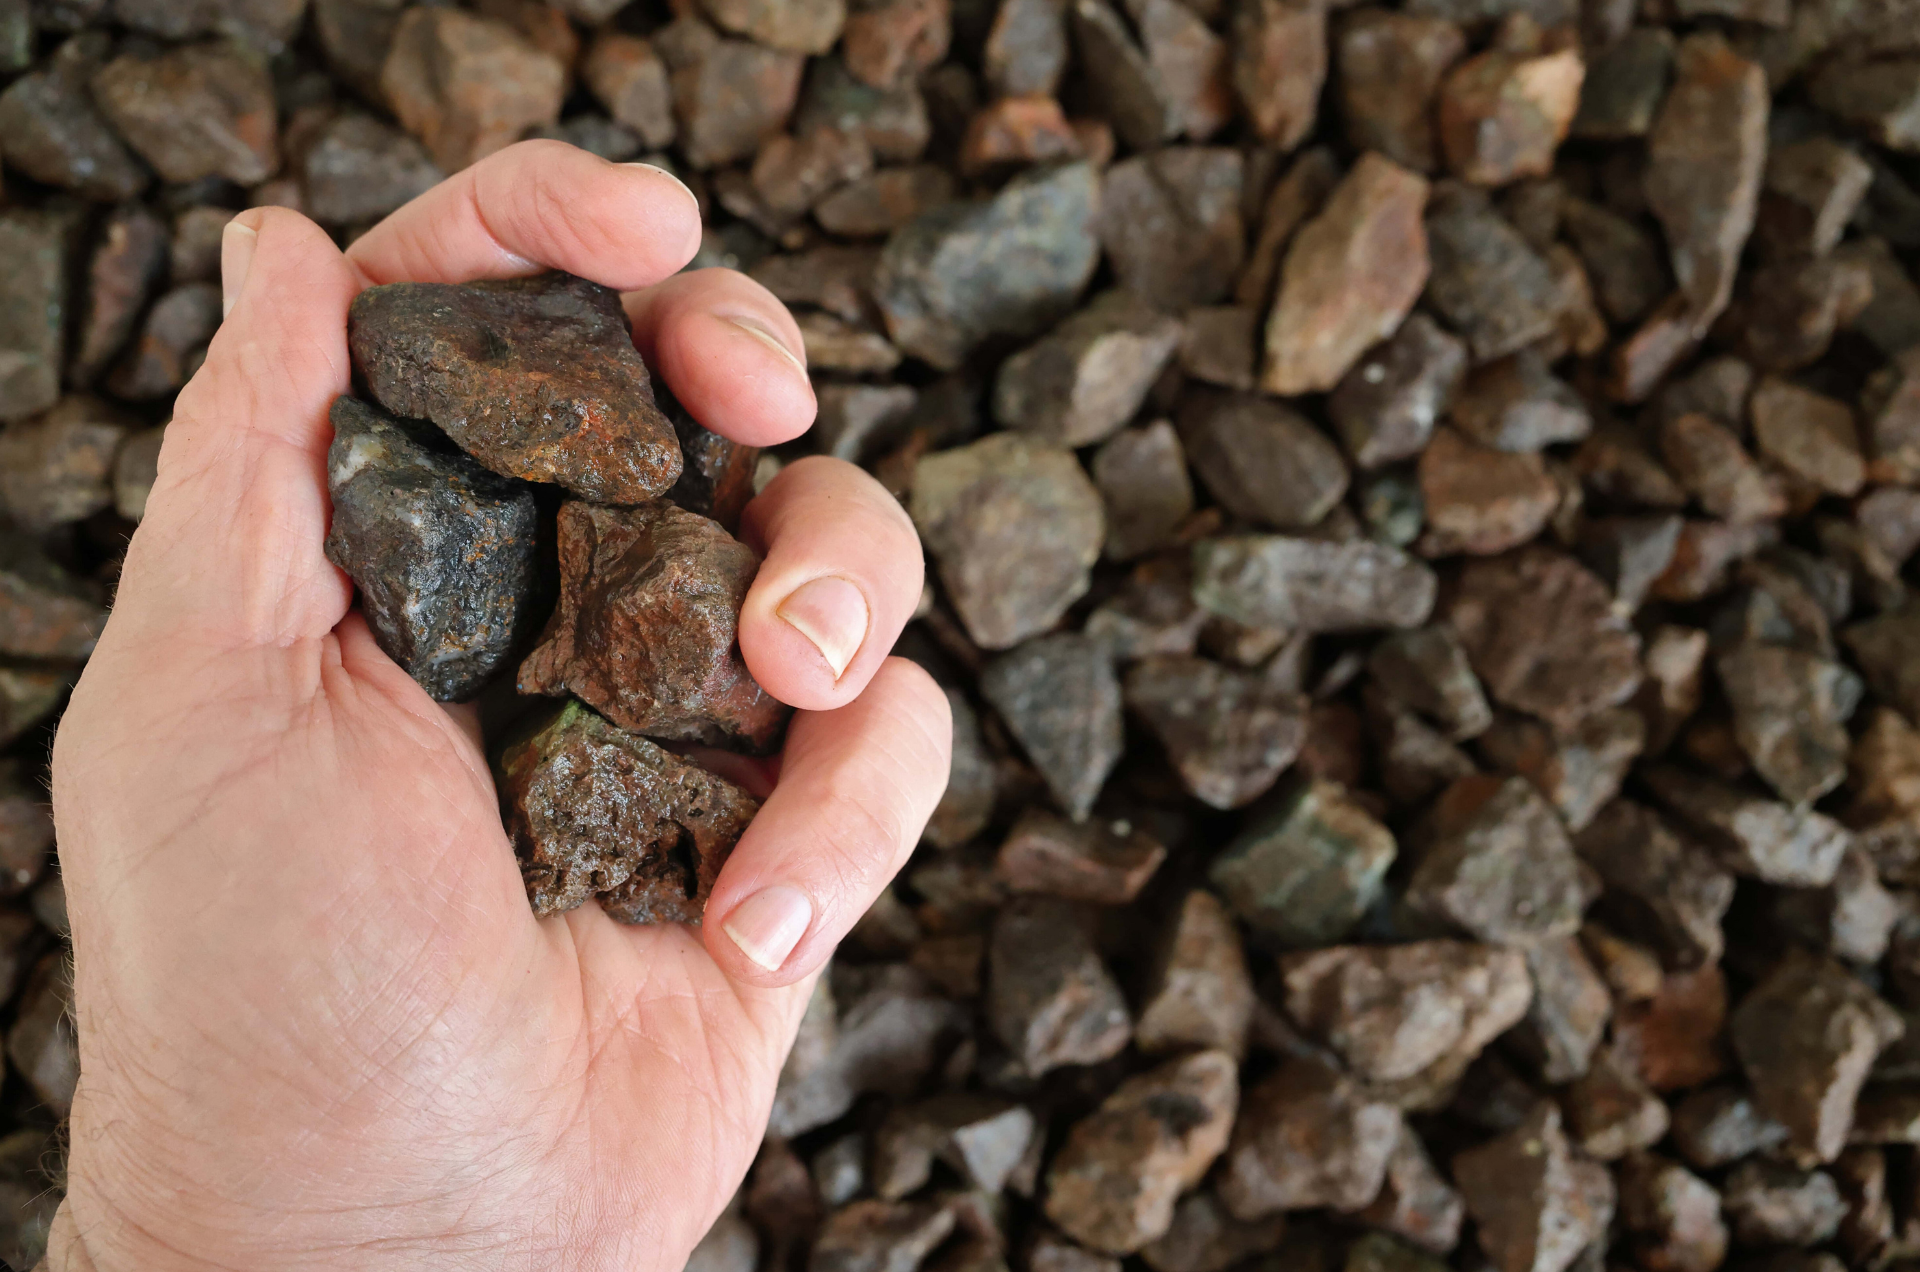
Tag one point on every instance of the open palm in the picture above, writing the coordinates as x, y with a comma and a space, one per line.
319, 1026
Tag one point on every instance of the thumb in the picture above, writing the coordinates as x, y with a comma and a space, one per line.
230, 548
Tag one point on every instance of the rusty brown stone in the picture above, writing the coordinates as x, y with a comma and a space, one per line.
1480, 500
467, 86
1391, 65
1502, 114
646, 628
1279, 66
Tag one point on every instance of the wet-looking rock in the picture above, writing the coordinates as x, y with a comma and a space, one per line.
595, 812
536, 378
441, 549
647, 628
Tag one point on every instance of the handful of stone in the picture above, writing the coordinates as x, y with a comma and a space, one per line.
518, 495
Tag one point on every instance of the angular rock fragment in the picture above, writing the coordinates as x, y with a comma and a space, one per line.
1784, 315
51, 131
1228, 733
1391, 66
1578, 771
728, 95
1088, 376
1395, 1013
1611, 1113
1061, 700
627, 76
1387, 405
1307, 1136
1710, 462
1142, 476
1672, 1214
1623, 260
1498, 864
1877, 95
1479, 500
535, 377
880, 1236
1536, 1203
171, 345
1050, 999
1487, 282
1808, 434
887, 41
1205, 1238
1054, 1253
803, 26
1017, 131
1516, 404
1624, 86
1812, 189
441, 550
1426, 669
1502, 113
1106, 863
1416, 1203
595, 812
1153, 613
1883, 647
1295, 198
1568, 1014
1706, 156
1721, 1124
884, 1035
1540, 631
1279, 66
45, 612
1307, 870
1350, 277
1263, 461
1772, 1205
1310, 585
126, 266
222, 86
359, 169
646, 627
1851, 918
1198, 993
26, 698
1120, 78
1114, 1182
1171, 224
33, 310
893, 122
1755, 836
57, 468
981, 1136
1190, 64
1789, 714
1630, 553
1806, 1037
977, 507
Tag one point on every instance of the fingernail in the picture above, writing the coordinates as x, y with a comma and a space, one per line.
753, 328
768, 924
684, 187
236, 258
832, 613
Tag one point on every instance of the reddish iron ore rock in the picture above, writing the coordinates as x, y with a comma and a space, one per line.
647, 627
536, 378
441, 550
595, 812
1308, 1135
221, 89
467, 86
1114, 1183
1537, 1204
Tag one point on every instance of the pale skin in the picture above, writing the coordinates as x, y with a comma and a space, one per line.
319, 1026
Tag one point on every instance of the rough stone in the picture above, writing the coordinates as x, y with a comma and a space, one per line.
1153, 613
1517, 404
1479, 500
1851, 918
1772, 1205
1386, 407
1295, 198
1010, 265
1579, 771
1142, 476
1106, 863
880, 1236
1812, 189
42, 1043
977, 508
1190, 65
1228, 733
893, 122
1350, 278
981, 1136
1610, 1112
222, 86
1536, 1203
1706, 156
1789, 715
627, 76
1311, 585
1263, 461
1755, 836
1171, 224
1395, 1013
1026, 48
1672, 1214
1088, 376
57, 468
45, 612
1568, 1014
1279, 67
1809, 435
1882, 648
441, 550
537, 378
967, 803
1540, 631
880, 1031
1721, 1124
1198, 992
1807, 1036
730, 95
1623, 260
359, 169
171, 345
1050, 999
1017, 131
51, 131
1205, 1238
1120, 80
126, 265
1391, 65
33, 311
1498, 864
1115, 1181
1486, 281
1710, 462
1503, 113
888, 41
1624, 86
1416, 1203
1426, 669
1876, 95
883, 201
1306, 871
646, 627
1308, 1135
595, 812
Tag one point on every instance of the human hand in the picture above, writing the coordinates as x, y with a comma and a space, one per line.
319, 1026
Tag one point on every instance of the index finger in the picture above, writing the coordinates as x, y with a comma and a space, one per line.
535, 206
